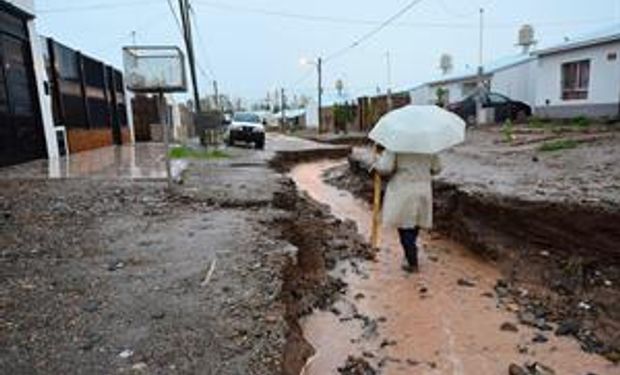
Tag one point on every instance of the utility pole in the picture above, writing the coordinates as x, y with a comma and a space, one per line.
283, 109
216, 94
189, 45
389, 82
480, 70
319, 67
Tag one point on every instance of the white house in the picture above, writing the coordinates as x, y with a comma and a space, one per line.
512, 76
27, 130
580, 77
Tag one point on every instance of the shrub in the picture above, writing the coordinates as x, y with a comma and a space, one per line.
560, 144
581, 122
508, 131
189, 153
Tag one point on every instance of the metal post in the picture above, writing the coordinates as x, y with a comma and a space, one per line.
480, 69
189, 45
283, 109
216, 94
163, 118
319, 66
389, 82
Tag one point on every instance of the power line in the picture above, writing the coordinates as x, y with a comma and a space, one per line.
202, 44
357, 21
374, 31
176, 18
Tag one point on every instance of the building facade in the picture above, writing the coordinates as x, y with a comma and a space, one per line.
580, 77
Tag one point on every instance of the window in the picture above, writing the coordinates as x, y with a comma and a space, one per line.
612, 56
498, 99
575, 80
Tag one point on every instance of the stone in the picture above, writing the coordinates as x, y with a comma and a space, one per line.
568, 328
540, 369
516, 370
539, 338
466, 283
509, 327
91, 306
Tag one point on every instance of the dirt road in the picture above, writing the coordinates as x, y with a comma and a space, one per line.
447, 320
106, 275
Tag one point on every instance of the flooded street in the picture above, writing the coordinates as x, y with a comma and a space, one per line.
444, 320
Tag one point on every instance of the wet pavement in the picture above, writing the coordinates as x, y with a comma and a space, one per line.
428, 323
142, 161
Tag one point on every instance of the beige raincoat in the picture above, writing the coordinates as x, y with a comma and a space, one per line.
408, 201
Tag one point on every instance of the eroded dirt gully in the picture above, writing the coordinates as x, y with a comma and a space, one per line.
119, 276
547, 220
447, 320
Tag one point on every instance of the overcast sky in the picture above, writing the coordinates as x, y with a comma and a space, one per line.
253, 46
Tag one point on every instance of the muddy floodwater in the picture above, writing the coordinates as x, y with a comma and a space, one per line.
428, 323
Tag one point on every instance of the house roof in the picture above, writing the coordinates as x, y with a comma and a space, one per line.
291, 113
605, 35
488, 68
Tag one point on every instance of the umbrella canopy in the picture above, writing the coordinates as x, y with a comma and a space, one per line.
419, 129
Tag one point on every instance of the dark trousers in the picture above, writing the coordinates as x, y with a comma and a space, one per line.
409, 241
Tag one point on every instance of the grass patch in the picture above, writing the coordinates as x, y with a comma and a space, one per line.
190, 153
560, 144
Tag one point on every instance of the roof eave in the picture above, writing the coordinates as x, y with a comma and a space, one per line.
578, 45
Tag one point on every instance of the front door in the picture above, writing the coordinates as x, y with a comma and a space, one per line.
21, 130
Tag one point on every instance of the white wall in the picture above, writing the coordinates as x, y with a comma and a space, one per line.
26, 5
517, 82
604, 76
45, 100
422, 95
312, 115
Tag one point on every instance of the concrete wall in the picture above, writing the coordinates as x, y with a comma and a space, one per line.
517, 82
603, 92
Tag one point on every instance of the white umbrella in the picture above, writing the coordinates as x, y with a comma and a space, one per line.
419, 129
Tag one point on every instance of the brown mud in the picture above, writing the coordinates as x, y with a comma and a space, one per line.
451, 318
558, 259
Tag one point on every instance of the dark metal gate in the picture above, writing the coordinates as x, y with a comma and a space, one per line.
21, 129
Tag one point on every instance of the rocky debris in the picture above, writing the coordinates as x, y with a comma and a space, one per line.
357, 366
91, 306
538, 368
514, 369
509, 327
466, 283
539, 338
535, 368
385, 360
529, 318
386, 342
412, 362
568, 328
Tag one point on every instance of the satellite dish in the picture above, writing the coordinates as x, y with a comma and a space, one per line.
526, 37
445, 63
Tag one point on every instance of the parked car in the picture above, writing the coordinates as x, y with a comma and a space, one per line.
246, 127
505, 108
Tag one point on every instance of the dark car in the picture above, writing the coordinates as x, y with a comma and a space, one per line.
246, 127
505, 108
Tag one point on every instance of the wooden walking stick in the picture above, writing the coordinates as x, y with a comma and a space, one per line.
376, 208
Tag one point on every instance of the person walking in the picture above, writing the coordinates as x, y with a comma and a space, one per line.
408, 201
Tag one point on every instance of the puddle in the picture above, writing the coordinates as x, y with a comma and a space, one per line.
447, 329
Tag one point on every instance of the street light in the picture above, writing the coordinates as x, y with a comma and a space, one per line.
319, 66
